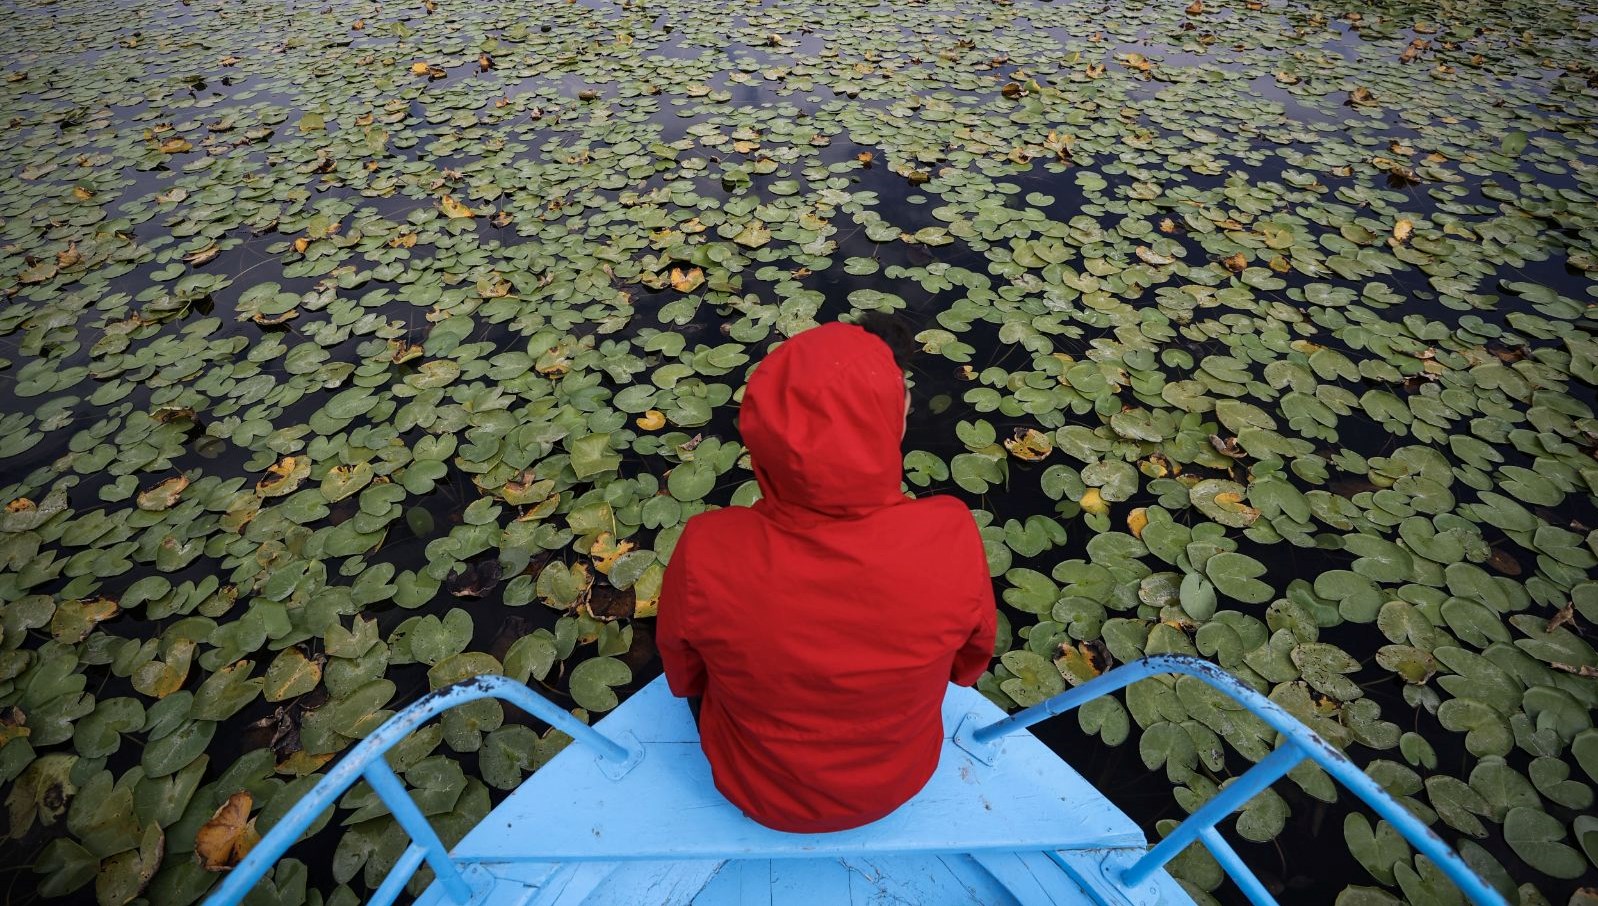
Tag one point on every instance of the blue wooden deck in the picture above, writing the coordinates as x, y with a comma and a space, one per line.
976, 834
629, 816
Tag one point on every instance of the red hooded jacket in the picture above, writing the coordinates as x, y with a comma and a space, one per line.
822, 625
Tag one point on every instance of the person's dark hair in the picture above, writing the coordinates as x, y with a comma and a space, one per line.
893, 331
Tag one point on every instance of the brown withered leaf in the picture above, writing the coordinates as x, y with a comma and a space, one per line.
1565, 617
203, 255
476, 580
1227, 446
1505, 354
1504, 562
1585, 670
68, 257
608, 603
229, 836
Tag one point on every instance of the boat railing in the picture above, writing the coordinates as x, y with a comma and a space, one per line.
366, 760
983, 742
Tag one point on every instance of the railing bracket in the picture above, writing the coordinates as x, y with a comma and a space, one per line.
616, 770
965, 738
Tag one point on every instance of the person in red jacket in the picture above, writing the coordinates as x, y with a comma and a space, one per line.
822, 625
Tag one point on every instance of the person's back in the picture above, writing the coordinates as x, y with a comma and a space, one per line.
822, 625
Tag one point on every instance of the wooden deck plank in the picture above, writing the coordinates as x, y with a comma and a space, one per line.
1033, 878
805, 882
654, 883
745, 882
572, 883
978, 883
923, 880
667, 807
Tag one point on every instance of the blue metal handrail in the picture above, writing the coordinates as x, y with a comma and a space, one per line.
1302, 742
366, 760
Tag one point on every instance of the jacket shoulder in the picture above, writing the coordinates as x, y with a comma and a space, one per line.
719, 521
942, 507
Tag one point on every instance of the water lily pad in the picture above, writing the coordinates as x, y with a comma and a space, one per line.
592, 683
1536, 837
1236, 576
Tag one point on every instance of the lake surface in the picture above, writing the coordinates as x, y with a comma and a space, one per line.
348, 350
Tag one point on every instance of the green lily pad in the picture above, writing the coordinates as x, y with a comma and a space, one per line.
592, 683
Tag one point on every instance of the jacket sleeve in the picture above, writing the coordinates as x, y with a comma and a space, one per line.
685, 669
973, 657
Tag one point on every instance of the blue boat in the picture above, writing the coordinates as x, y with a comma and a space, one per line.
629, 815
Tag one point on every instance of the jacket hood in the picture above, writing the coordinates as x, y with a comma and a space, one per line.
823, 418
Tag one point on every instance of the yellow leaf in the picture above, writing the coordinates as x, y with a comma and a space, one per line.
1137, 520
1029, 445
176, 146
1093, 502
163, 495
1149, 256
302, 762
228, 836
1077, 664
607, 550
647, 591
420, 68
454, 209
1231, 502
283, 476
653, 420
687, 281
1402, 230
203, 255
1135, 61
